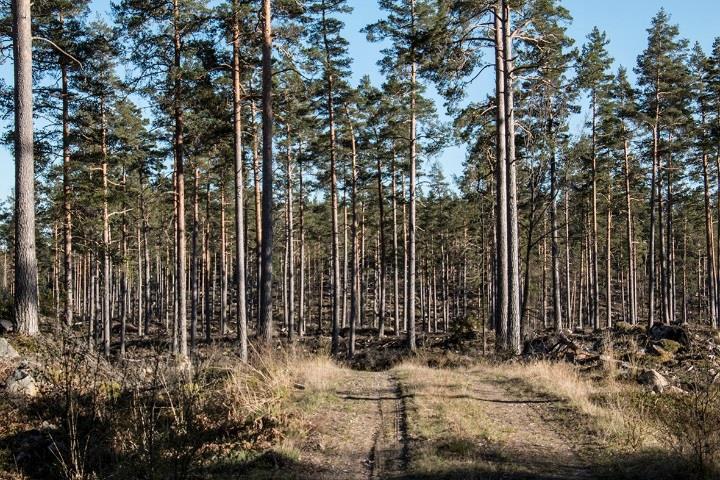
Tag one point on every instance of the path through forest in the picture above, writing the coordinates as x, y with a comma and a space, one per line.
415, 422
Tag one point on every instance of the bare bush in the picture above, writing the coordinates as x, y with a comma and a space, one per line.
689, 423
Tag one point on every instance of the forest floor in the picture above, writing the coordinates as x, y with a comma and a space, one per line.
447, 412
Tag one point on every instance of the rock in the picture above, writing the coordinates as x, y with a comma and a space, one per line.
7, 352
21, 383
653, 379
6, 326
675, 333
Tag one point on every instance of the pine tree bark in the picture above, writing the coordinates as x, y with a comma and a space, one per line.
355, 265
67, 209
106, 313
413, 174
258, 208
181, 281
223, 263
396, 283
513, 333
194, 270
240, 273
330, 105
301, 214
265, 320
290, 242
653, 200
608, 260
555, 249
501, 228
630, 241
381, 252
26, 287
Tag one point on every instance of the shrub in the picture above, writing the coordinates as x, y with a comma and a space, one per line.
689, 423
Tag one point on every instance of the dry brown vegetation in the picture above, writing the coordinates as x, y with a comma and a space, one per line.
292, 414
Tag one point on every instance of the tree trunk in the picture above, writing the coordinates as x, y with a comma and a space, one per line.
223, 263
26, 287
301, 207
355, 266
412, 207
501, 217
513, 332
290, 243
381, 253
265, 320
608, 261
594, 232
240, 274
106, 313
630, 247
554, 248
194, 264
181, 281
335, 254
396, 286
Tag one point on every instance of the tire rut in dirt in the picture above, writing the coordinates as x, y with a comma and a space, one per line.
390, 453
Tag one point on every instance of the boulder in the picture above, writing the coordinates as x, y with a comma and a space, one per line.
6, 326
675, 333
21, 383
654, 380
7, 352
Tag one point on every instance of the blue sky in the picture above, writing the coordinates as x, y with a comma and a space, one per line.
625, 22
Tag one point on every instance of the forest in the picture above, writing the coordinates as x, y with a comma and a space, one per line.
224, 257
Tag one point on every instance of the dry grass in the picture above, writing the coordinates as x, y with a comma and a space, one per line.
605, 404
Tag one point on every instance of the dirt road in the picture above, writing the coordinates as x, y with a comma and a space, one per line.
415, 422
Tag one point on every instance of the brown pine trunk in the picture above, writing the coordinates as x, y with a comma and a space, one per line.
355, 265
26, 287
223, 263
335, 254
381, 254
67, 210
513, 333
501, 240
608, 261
301, 201
265, 319
568, 301
258, 207
240, 273
412, 207
630, 245
290, 243
555, 249
194, 270
396, 283
106, 313
180, 279
653, 200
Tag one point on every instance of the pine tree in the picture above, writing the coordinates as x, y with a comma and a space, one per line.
662, 81
158, 36
329, 56
593, 76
